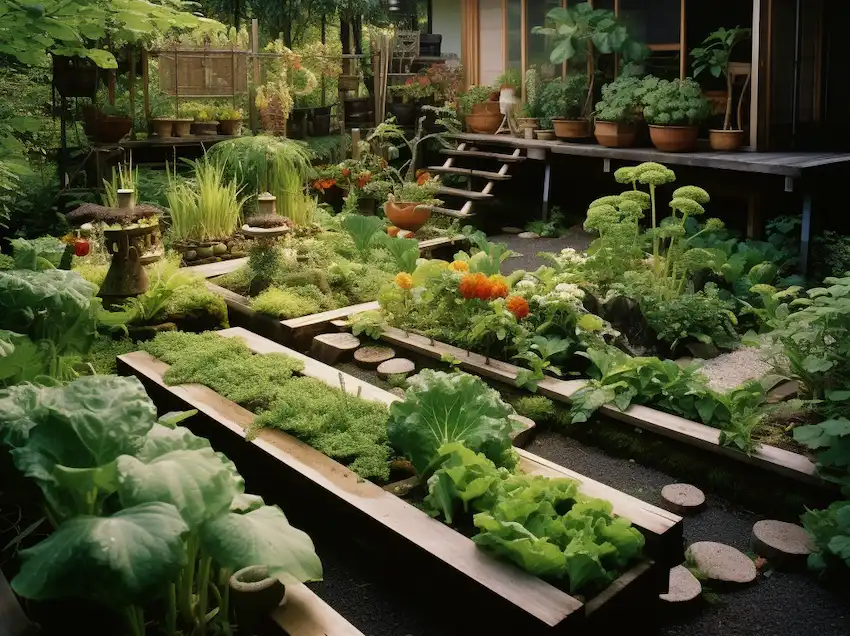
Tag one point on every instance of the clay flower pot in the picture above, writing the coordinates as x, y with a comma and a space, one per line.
613, 134
183, 127
205, 128
163, 127
545, 135
254, 595
571, 128
726, 140
491, 107
406, 215
484, 123
674, 138
231, 127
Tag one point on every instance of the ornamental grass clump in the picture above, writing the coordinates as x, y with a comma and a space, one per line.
207, 209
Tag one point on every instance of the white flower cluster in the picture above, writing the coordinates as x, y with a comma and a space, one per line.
570, 256
563, 294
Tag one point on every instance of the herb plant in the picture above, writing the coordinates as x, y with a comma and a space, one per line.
675, 103
621, 101
562, 99
167, 502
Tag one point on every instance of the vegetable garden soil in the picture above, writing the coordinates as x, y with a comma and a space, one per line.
527, 249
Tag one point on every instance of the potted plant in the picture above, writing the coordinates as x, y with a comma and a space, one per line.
479, 112
183, 122
528, 122
674, 109
230, 121
715, 56
582, 34
161, 123
108, 123
204, 123
562, 103
619, 113
403, 108
409, 204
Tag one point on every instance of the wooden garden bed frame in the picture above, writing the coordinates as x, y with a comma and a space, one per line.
769, 458
297, 332
511, 593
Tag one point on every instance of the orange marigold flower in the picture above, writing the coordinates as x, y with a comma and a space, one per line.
423, 176
498, 288
404, 280
460, 266
346, 172
474, 286
364, 178
518, 306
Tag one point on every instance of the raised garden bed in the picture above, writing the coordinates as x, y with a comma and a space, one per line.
513, 597
297, 332
770, 458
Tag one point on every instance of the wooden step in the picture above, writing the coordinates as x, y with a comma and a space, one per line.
449, 212
472, 195
469, 172
479, 154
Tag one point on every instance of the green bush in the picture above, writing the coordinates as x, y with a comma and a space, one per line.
562, 99
535, 407
621, 101
284, 304
674, 103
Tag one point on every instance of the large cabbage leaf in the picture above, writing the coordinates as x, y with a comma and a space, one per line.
440, 408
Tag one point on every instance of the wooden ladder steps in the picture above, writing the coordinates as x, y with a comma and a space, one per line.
458, 214
469, 172
472, 195
483, 155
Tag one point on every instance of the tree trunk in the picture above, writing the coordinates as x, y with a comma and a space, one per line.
727, 120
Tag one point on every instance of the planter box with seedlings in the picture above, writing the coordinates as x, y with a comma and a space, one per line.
289, 389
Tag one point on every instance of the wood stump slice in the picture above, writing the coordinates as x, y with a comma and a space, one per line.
396, 366
398, 392
332, 348
683, 499
720, 562
340, 324
783, 544
684, 586
370, 357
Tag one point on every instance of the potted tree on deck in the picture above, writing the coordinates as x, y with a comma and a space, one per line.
715, 56
581, 35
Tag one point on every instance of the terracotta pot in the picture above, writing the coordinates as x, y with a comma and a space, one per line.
528, 122
109, 129
612, 134
183, 127
571, 128
484, 123
545, 135
486, 107
494, 96
726, 140
407, 216
232, 127
163, 127
674, 138
254, 594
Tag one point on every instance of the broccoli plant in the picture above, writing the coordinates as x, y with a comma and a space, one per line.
674, 103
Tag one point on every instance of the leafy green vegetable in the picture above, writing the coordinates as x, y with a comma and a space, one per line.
440, 408
541, 524
489, 257
830, 531
46, 252
118, 559
363, 230
404, 251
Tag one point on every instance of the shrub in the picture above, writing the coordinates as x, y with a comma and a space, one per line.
621, 101
535, 407
284, 304
562, 99
674, 103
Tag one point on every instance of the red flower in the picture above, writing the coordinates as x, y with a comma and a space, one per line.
424, 81
81, 247
364, 178
475, 286
422, 176
346, 172
409, 81
518, 306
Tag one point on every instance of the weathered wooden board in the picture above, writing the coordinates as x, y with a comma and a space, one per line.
302, 613
771, 458
211, 270
548, 606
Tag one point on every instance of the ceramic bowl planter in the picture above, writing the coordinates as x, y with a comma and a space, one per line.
726, 140
183, 127
230, 127
613, 134
545, 135
490, 107
254, 594
163, 127
571, 128
484, 123
406, 215
674, 138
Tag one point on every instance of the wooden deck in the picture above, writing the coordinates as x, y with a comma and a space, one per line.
784, 164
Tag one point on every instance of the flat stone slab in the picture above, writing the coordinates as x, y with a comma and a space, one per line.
370, 357
683, 498
782, 543
784, 391
509, 229
528, 235
720, 562
684, 587
396, 366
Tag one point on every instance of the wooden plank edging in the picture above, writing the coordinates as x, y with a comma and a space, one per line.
302, 613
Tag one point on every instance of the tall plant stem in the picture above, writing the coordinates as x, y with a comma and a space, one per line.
727, 120
135, 620
187, 580
654, 227
203, 594
171, 616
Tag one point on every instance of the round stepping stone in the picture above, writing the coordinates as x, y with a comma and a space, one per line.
683, 499
784, 544
397, 391
509, 229
396, 366
684, 586
528, 235
721, 562
371, 357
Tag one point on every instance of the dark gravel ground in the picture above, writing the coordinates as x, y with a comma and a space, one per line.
527, 249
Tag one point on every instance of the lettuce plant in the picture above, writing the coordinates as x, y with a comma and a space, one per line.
440, 408
146, 514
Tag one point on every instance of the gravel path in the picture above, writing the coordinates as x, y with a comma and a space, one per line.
527, 249
728, 370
